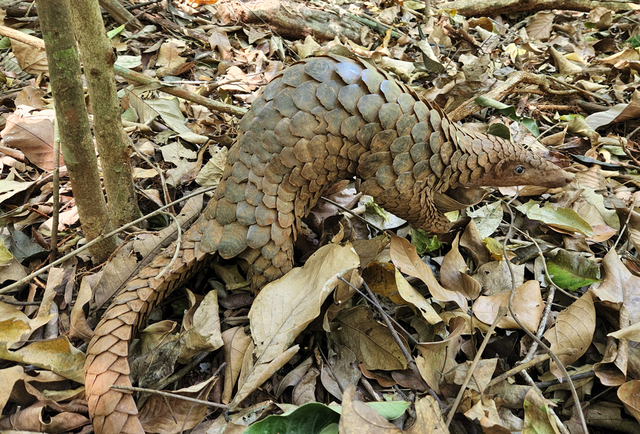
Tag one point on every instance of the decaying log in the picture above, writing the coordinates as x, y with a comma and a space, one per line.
291, 20
475, 8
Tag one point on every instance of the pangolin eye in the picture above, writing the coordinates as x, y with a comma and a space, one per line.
519, 170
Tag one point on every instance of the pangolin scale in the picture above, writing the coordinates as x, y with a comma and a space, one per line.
320, 121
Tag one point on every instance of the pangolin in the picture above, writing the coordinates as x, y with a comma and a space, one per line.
320, 121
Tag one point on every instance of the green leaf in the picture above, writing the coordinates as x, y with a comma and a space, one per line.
5, 254
312, 418
373, 208
561, 218
423, 242
510, 112
500, 130
113, 33
570, 270
634, 41
5, 43
390, 410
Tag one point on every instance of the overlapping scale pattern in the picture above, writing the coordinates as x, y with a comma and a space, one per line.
320, 121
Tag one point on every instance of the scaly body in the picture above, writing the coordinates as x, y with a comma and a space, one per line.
322, 120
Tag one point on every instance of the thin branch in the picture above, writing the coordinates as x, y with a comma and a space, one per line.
171, 395
36, 273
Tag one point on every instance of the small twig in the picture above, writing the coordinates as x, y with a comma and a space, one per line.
521, 367
141, 5
579, 376
628, 152
586, 92
410, 338
547, 308
502, 312
369, 388
352, 213
36, 273
179, 374
632, 133
163, 182
20, 303
170, 395
626, 224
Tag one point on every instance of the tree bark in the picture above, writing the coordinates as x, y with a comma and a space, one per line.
73, 122
98, 57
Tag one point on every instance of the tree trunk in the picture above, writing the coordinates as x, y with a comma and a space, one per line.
98, 57
73, 121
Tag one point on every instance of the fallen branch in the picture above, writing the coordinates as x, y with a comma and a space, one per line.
475, 8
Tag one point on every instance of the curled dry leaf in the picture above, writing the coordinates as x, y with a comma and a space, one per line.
574, 330
411, 295
236, 343
37, 418
437, 358
340, 371
619, 286
629, 394
452, 273
294, 376
485, 412
612, 369
527, 305
201, 326
429, 418
405, 257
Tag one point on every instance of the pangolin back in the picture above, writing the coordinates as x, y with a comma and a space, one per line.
318, 122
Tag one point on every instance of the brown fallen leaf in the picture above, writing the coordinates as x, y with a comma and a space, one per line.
236, 343
358, 418
405, 257
37, 418
527, 305
573, 329
201, 327
165, 415
485, 413
438, 357
537, 417
279, 314
619, 286
629, 394
371, 341
32, 133
452, 273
